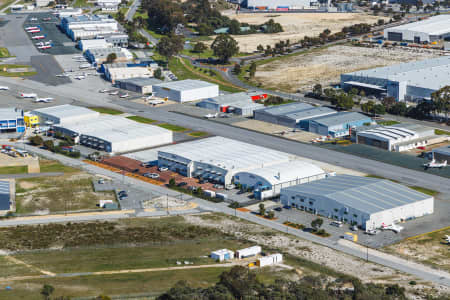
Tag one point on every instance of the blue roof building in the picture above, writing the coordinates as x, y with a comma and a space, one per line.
339, 124
5, 196
11, 120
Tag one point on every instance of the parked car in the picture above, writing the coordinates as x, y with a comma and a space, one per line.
372, 231
181, 184
230, 186
278, 208
151, 175
354, 228
192, 188
163, 169
135, 171
336, 223
218, 186
101, 181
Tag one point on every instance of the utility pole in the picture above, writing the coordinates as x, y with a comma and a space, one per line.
167, 203
367, 253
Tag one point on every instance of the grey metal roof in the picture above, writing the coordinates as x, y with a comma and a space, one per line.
442, 150
340, 118
67, 111
4, 195
431, 73
436, 25
311, 113
369, 195
141, 81
10, 113
399, 133
184, 85
279, 110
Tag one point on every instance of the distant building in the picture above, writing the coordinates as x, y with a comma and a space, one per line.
85, 45
31, 120
99, 56
269, 260
429, 30
280, 5
222, 254
108, 5
399, 137
186, 90
88, 26
117, 39
69, 12
405, 82
42, 3
248, 252
5, 197
141, 85
441, 154
11, 120
239, 103
294, 115
367, 202
338, 125
122, 71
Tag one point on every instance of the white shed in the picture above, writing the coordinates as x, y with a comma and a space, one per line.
186, 90
269, 260
222, 254
248, 252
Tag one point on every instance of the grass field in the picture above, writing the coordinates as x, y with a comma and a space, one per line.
55, 166
10, 268
198, 133
388, 122
106, 110
172, 127
141, 119
82, 3
441, 132
5, 73
14, 170
424, 190
184, 70
5, 3
4, 52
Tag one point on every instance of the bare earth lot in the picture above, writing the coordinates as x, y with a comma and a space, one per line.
296, 26
325, 66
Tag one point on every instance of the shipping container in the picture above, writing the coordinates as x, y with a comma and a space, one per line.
282, 8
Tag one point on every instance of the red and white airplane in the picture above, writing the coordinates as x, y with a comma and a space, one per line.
31, 95
34, 31
38, 37
31, 28
44, 47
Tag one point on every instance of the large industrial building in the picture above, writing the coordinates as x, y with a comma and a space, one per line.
398, 137
408, 81
217, 159
294, 115
11, 120
186, 90
367, 202
430, 30
339, 124
108, 5
115, 134
64, 114
239, 103
280, 5
88, 26
141, 85
85, 45
267, 182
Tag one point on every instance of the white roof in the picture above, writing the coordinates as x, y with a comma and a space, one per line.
250, 250
185, 85
287, 171
10, 113
67, 111
436, 25
397, 133
222, 251
95, 43
226, 153
115, 129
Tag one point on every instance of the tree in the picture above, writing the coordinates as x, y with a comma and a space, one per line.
111, 58
237, 69
441, 99
102, 297
199, 47
252, 70
316, 224
344, 101
317, 89
234, 205
238, 281
158, 74
378, 109
36, 140
399, 108
47, 291
271, 214
120, 17
49, 145
169, 46
224, 47
367, 107
388, 102
234, 27
262, 209
172, 182
260, 48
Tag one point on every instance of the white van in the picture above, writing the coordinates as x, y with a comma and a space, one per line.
336, 223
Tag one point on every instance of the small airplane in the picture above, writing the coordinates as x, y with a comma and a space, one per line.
103, 91
4, 88
47, 19
77, 56
80, 77
34, 31
124, 95
31, 95
155, 102
40, 44
434, 164
447, 239
32, 27
114, 93
43, 100
393, 227
211, 116
33, 19
38, 37
44, 47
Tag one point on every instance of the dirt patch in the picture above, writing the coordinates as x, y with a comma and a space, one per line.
325, 66
296, 26
27, 185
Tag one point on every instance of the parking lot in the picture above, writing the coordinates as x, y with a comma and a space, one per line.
61, 43
47, 68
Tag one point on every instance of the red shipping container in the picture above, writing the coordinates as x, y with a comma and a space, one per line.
224, 109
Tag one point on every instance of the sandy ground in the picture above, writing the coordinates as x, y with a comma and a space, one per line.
296, 26
313, 252
325, 66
